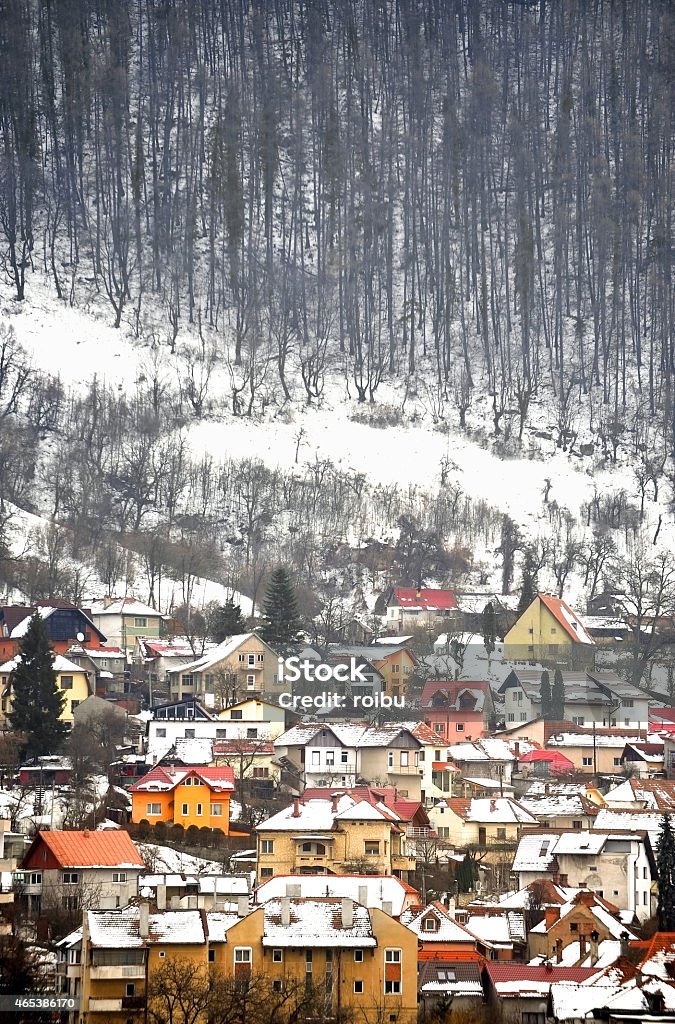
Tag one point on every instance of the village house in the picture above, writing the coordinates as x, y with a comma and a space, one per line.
243, 665
157, 658
549, 633
251, 719
72, 681
185, 795
543, 764
587, 919
595, 751
617, 865
77, 869
486, 821
519, 993
124, 620
457, 709
645, 759
64, 623
184, 891
395, 664
590, 697
438, 932
561, 810
342, 835
500, 933
410, 608
643, 794
106, 666
485, 764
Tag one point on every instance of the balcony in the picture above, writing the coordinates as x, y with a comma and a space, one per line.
133, 1002
405, 769
401, 862
420, 832
115, 971
105, 1005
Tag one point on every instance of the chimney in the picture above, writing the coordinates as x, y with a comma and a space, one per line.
242, 906
595, 952
516, 748
107, 601
558, 951
625, 944
452, 908
296, 808
363, 895
547, 789
161, 896
285, 911
582, 945
334, 803
552, 915
144, 919
387, 907
347, 913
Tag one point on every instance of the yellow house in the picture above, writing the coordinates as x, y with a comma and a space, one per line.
549, 632
71, 680
597, 751
481, 821
184, 796
252, 709
333, 837
241, 665
394, 663
358, 959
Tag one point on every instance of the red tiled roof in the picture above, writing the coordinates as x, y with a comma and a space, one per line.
559, 763
660, 942
107, 848
167, 777
451, 688
561, 611
513, 971
448, 955
430, 600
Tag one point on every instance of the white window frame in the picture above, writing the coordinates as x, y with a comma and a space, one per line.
243, 955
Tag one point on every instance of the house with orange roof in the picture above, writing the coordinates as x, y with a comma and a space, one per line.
549, 633
438, 932
185, 795
78, 870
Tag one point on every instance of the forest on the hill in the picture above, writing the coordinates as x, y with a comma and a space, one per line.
461, 197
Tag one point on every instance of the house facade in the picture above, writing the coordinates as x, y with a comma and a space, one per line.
125, 619
184, 795
71, 680
425, 608
549, 633
243, 665
64, 623
457, 709
599, 698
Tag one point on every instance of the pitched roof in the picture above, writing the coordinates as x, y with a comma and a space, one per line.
569, 621
525, 974
425, 598
316, 922
218, 654
164, 778
377, 889
85, 849
124, 606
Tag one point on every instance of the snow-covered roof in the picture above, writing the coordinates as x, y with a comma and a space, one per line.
492, 809
497, 929
124, 606
447, 930
377, 889
568, 619
316, 923
556, 805
218, 923
319, 816
216, 654
535, 853
615, 818
601, 738
60, 664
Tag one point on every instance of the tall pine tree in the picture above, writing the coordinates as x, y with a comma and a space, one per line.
529, 586
226, 620
546, 699
665, 865
37, 702
558, 697
281, 619
489, 628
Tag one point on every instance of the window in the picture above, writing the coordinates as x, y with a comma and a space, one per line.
252, 734
627, 704
390, 759
392, 956
358, 986
250, 682
251, 660
404, 759
574, 926
511, 717
577, 824
242, 658
344, 756
260, 658
523, 716
190, 735
199, 810
578, 719
184, 809
277, 985
70, 902
617, 761
266, 872
70, 877
592, 868
119, 876
587, 762
392, 987
242, 954
212, 956
216, 810
531, 1017
358, 956
552, 648
501, 834
160, 732
153, 809
188, 680
131, 988
140, 620
277, 956
66, 682
438, 727
372, 848
430, 924
460, 727
236, 716
267, 846
330, 757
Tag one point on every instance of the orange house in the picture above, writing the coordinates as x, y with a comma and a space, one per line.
185, 795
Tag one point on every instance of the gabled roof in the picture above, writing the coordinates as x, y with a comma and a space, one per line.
219, 653
559, 764
59, 664
568, 619
522, 976
15, 618
167, 777
491, 810
325, 815
125, 606
316, 923
425, 598
447, 930
377, 889
85, 849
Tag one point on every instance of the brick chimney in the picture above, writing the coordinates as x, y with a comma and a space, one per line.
558, 951
552, 914
582, 945
334, 797
595, 951
296, 808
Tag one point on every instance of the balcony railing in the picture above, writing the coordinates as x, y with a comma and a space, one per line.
420, 832
110, 972
404, 769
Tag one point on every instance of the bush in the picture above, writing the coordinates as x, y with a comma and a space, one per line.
177, 834
143, 827
192, 835
160, 831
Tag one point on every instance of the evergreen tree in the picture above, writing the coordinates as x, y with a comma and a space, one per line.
546, 697
558, 697
466, 873
489, 628
529, 586
37, 702
665, 865
281, 619
226, 620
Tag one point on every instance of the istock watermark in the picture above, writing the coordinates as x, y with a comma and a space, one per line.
340, 700
344, 674
294, 669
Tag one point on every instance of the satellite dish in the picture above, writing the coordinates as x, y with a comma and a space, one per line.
80, 637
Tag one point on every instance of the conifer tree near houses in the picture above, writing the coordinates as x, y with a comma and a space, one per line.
529, 586
558, 697
546, 699
226, 620
37, 702
281, 619
489, 628
665, 865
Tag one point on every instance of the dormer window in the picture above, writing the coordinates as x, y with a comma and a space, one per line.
430, 924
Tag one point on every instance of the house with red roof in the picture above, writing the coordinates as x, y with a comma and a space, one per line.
457, 709
549, 633
184, 795
79, 869
520, 992
543, 763
420, 608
